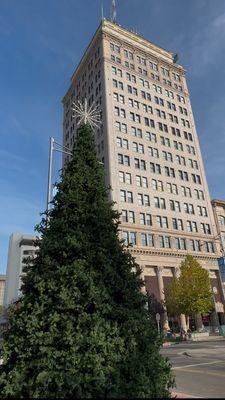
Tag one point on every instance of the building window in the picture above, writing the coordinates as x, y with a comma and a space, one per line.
177, 224
124, 216
161, 242
205, 228
222, 220
126, 237
192, 245
167, 242
144, 240
133, 239
183, 244
125, 177
177, 243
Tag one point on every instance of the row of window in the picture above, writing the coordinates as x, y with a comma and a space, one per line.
157, 169
145, 84
142, 181
141, 60
126, 196
121, 112
159, 202
152, 137
155, 153
166, 242
120, 98
173, 205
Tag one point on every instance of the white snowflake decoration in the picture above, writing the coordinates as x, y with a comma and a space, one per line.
86, 115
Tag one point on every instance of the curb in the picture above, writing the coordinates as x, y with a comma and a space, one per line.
167, 344
183, 396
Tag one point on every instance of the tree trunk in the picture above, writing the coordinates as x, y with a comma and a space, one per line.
188, 321
198, 321
183, 324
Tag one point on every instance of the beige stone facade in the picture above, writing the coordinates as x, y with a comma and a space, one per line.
2, 288
150, 150
20, 247
219, 214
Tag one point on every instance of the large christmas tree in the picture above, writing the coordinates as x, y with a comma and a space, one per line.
81, 329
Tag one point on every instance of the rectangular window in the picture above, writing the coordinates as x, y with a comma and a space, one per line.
150, 240
151, 137
142, 218
161, 242
144, 240
124, 216
177, 243
126, 237
167, 242
192, 245
133, 240
129, 197
131, 217
183, 244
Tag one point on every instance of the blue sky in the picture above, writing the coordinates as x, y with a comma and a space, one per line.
42, 41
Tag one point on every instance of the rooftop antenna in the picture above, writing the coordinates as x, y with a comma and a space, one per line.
114, 11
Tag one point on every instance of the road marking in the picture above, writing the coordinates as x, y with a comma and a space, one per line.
196, 365
198, 371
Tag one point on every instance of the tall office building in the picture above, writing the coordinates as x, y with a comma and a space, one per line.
150, 150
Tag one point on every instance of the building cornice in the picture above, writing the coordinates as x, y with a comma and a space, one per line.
138, 43
164, 253
216, 202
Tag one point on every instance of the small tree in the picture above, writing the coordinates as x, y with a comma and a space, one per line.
191, 293
82, 329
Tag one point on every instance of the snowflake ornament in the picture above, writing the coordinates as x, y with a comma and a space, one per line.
87, 115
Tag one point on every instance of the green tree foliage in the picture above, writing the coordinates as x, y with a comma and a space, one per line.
81, 328
191, 293
172, 297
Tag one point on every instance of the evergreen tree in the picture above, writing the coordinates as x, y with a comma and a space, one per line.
82, 329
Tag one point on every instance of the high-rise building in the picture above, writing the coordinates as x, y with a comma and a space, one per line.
20, 247
219, 214
150, 150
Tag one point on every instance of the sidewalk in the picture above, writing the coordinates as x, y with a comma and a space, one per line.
213, 338
210, 338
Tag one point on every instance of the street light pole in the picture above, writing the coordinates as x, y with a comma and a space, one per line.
50, 173
61, 149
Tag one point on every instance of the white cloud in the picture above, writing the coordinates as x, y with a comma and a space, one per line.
206, 45
219, 22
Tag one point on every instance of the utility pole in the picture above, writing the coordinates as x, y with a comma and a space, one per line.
50, 173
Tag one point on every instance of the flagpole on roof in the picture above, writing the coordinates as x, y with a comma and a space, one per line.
102, 10
114, 11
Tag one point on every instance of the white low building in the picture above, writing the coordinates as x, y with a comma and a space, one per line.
20, 247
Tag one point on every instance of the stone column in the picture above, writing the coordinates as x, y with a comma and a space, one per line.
183, 324
165, 323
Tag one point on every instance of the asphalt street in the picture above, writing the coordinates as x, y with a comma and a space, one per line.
199, 368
